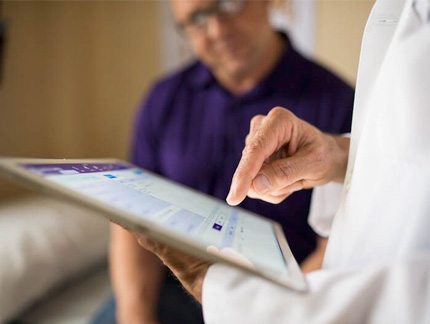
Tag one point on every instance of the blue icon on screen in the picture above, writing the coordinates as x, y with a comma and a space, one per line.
217, 227
110, 176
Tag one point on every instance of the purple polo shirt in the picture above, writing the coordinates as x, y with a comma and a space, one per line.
192, 130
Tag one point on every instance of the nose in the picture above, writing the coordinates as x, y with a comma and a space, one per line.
216, 27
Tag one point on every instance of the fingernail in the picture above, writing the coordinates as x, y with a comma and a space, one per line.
229, 198
231, 192
261, 184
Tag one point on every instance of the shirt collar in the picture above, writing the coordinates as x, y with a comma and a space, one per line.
202, 77
285, 76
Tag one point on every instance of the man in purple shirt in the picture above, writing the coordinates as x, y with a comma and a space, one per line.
192, 127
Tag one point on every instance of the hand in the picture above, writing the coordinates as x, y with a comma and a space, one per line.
189, 270
284, 154
315, 260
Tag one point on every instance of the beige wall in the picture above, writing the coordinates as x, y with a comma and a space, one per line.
339, 27
74, 74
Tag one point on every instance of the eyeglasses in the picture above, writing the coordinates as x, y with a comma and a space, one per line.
223, 9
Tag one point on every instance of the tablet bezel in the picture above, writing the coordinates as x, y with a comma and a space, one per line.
10, 168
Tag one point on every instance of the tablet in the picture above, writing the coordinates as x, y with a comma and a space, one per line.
167, 212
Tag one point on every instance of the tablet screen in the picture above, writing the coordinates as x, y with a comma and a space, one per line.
186, 212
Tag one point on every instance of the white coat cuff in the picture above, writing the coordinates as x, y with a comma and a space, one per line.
324, 204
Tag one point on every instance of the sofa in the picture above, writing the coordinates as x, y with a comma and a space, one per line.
53, 266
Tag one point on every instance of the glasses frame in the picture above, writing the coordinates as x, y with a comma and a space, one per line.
198, 20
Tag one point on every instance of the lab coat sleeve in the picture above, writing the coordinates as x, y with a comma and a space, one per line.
397, 293
324, 204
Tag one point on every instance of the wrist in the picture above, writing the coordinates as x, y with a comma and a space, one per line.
341, 157
135, 312
193, 280
136, 308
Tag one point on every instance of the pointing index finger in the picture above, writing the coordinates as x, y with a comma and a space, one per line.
248, 167
258, 149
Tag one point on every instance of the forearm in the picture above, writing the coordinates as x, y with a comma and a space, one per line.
136, 275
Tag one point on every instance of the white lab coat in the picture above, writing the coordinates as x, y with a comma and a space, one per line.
377, 264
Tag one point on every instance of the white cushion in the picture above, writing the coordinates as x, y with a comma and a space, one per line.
44, 242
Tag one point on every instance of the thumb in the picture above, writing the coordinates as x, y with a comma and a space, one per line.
281, 173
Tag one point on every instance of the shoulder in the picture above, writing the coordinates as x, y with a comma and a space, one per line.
326, 94
176, 80
160, 98
308, 79
322, 79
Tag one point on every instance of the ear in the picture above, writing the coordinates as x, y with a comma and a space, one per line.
282, 5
